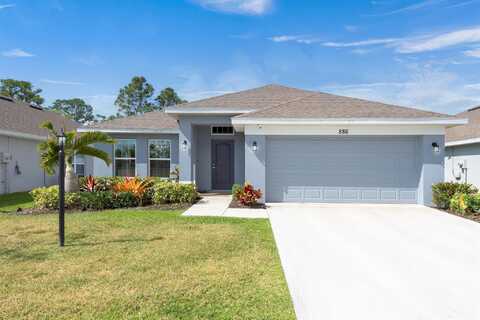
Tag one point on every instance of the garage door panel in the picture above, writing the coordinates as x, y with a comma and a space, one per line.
342, 169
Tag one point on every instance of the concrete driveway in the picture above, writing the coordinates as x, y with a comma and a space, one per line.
372, 262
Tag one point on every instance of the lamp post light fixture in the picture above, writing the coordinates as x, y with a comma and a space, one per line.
61, 188
254, 146
436, 147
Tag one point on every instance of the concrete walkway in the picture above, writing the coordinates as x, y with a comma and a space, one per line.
217, 206
377, 262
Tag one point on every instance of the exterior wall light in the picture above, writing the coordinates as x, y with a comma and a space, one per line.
254, 146
184, 145
436, 147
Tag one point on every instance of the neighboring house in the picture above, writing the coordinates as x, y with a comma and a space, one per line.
462, 152
295, 145
20, 134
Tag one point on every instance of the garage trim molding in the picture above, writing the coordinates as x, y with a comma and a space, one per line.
340, 130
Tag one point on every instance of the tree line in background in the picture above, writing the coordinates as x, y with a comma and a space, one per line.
135, 98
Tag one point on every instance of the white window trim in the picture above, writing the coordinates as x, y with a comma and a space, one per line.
76, 163
115, 158
164, 159
222, 134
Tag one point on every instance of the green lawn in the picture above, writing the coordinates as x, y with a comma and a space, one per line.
13, 201
136, 264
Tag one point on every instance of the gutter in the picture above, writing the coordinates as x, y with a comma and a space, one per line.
462, 142
352, 121
126, 130
200, 111
15, 134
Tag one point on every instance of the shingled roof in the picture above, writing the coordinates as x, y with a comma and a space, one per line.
466, 131
273, 101
317, 105
155, 120
19, 117
252, 99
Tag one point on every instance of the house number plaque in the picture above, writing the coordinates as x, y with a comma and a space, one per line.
342, 131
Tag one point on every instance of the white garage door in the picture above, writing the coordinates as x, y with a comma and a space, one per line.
342, 169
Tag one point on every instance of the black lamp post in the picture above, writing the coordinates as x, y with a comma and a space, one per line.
61, 189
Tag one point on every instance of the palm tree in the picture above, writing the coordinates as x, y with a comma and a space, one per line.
74, 144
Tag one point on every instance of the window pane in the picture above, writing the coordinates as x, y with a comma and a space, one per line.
79, 158
80, 170
159, 149
125, 168
160, 168
125, 149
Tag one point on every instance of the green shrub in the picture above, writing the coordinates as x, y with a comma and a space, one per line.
45, 197
125, 200
99, 200
443, 192
458, 203
73, 200
173, 192
473, 202
236, 191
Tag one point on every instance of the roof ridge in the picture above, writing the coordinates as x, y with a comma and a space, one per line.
271, 85
277, 105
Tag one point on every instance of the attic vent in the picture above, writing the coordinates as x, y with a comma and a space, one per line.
6, 98
36, 107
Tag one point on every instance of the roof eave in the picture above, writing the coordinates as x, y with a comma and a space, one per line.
360, 121
206, 111
462, 142
127, 130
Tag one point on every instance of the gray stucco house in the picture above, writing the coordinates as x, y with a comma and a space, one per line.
462, 155
20, 134
295, 145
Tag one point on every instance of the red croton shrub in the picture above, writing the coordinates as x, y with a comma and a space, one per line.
248, 195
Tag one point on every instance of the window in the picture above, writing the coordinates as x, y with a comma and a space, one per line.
159, 158
125, 158
222, 130
79, 165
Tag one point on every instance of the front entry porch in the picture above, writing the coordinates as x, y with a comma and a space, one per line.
214, 153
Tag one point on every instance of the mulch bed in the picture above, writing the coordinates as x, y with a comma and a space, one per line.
145, 208
469, 216
237, 205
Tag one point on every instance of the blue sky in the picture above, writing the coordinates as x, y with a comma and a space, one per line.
415, 53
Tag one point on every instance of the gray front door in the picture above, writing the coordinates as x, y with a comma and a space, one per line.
222, 164
342, 169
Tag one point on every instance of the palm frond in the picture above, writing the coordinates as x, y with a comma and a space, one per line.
49, 126
94, 152
88, 138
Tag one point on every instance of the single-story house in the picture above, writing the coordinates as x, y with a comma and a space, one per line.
20, 134
462, 152
295, 145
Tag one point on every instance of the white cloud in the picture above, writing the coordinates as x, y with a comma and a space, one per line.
248, 7
351, 28
420, 43
412, 7
6, 6
473, 86
17, 53
426, 87
361, 43
475, 53
68, 83
297, 38
449, 39
90, 60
